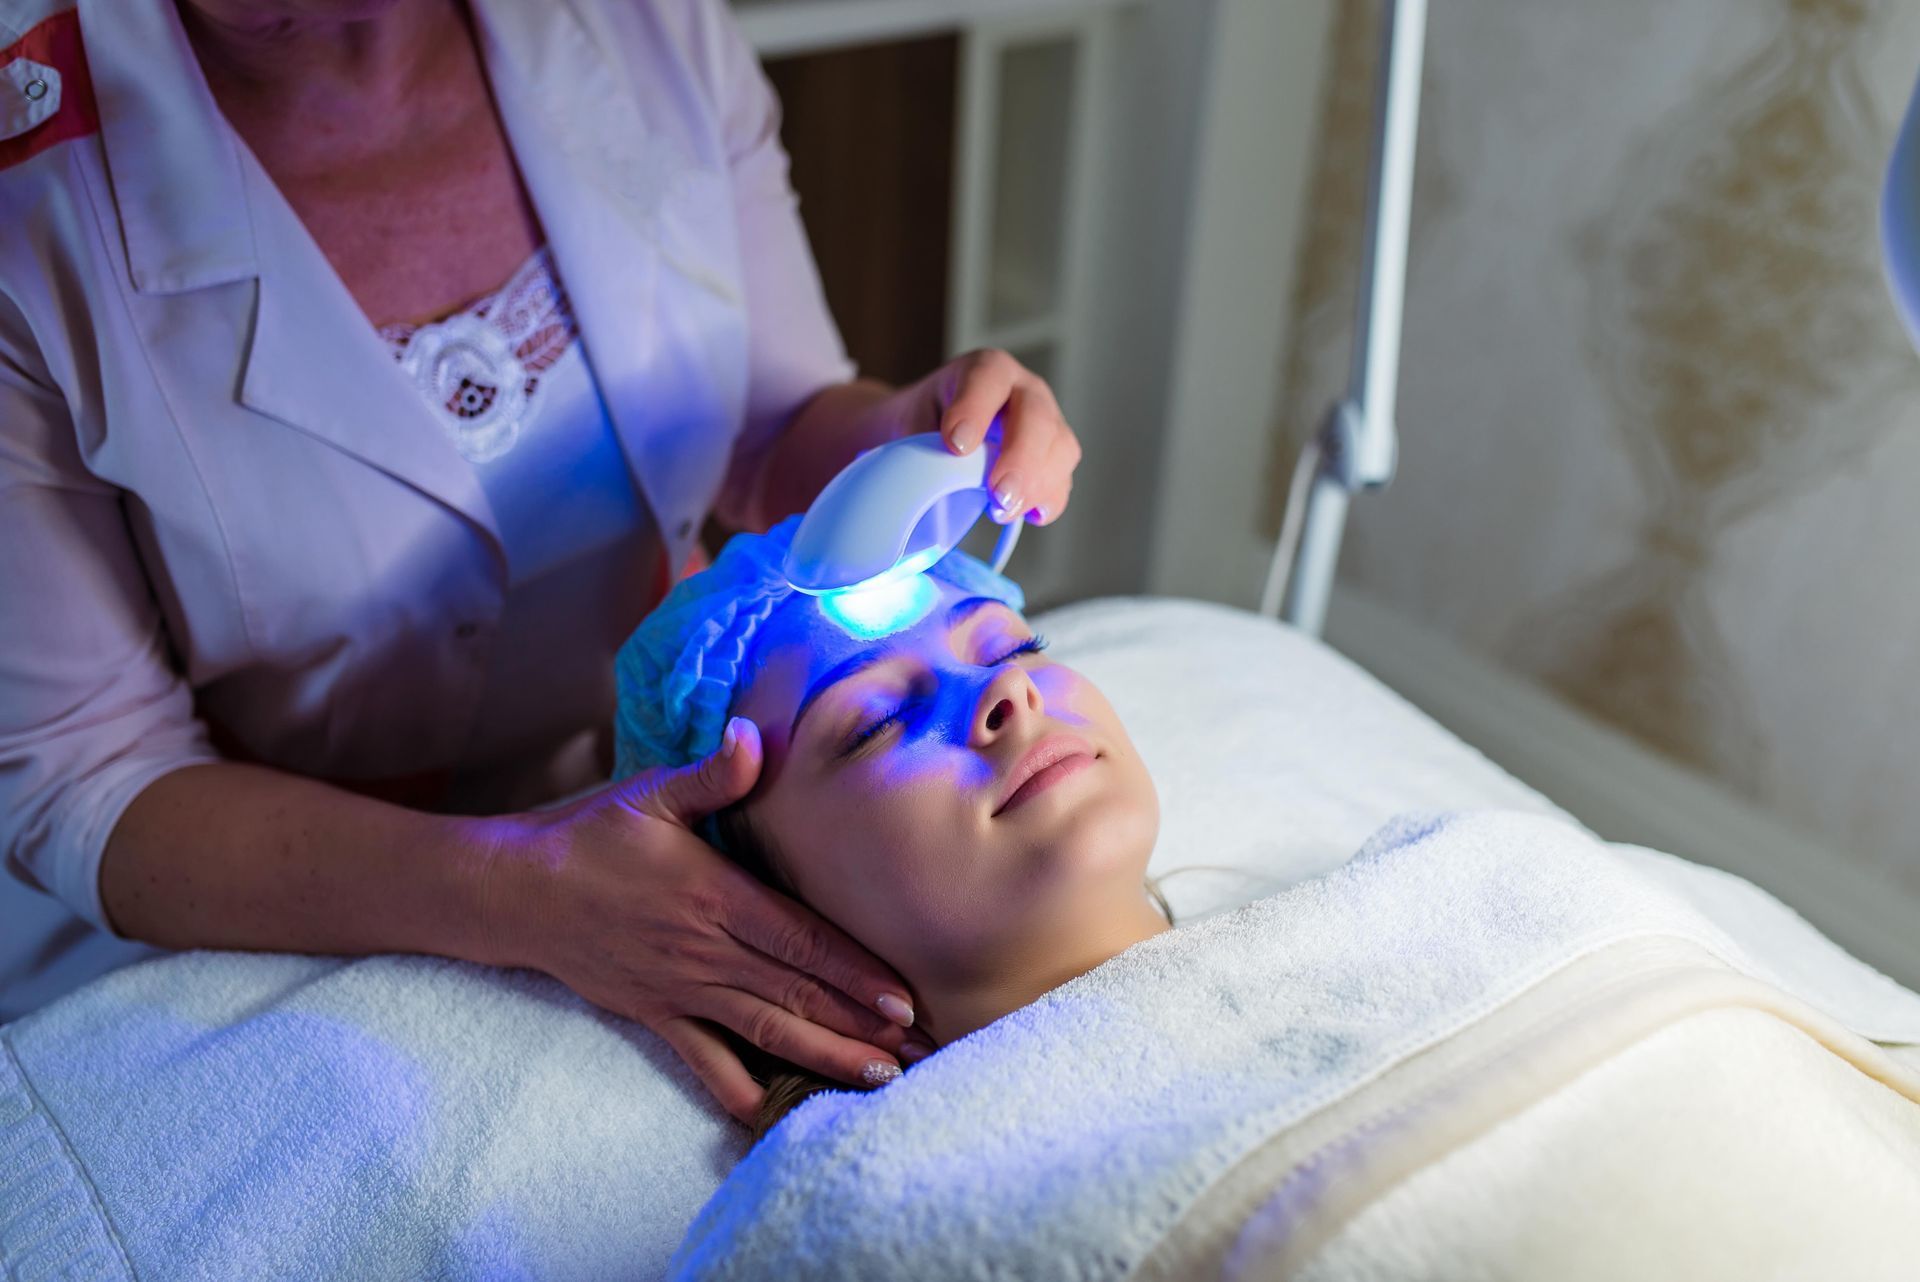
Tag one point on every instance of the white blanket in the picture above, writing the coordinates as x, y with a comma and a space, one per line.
1068, 1138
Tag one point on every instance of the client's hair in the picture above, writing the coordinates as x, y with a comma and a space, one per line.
788, 1085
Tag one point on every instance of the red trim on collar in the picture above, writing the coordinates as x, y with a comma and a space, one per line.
54, 43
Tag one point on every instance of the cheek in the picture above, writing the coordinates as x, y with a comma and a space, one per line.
925, 767
904, 814
1103, 846
916, 805
1069, 697
943, 890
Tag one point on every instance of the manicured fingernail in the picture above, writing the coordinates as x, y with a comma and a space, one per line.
964, 438
1007, 493
914, 1052
898, 1009
1038, 516
731, 739
878, 1072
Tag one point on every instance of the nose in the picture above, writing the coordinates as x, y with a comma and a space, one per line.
1008, 700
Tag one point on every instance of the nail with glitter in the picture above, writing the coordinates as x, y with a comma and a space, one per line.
878, 1072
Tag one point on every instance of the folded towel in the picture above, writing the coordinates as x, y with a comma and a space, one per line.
1065, 1139
1670, 1156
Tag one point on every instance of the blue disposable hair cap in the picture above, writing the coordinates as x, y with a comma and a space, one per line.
678, 673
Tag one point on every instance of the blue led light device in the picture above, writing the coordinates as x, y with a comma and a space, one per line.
889, 515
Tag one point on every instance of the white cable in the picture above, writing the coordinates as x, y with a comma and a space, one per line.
1003, 546
1287, 546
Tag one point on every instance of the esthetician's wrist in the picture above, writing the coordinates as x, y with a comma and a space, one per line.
495, 889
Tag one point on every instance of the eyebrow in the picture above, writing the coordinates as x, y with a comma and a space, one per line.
865, 659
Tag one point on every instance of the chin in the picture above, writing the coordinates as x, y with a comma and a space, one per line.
1109, 831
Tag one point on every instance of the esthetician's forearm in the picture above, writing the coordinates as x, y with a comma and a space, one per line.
823, 437
237, 856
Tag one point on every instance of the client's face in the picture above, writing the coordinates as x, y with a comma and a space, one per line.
960, 804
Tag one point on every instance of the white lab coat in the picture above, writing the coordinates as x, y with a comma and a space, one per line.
220, 497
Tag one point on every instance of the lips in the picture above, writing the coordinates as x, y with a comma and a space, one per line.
1050, 751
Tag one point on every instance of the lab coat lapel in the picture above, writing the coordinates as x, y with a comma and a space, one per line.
174, 162
317, 364
622, 188
196, 210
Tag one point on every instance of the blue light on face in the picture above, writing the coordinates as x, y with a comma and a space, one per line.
881, 606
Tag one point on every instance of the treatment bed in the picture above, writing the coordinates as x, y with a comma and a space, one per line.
1487, 1037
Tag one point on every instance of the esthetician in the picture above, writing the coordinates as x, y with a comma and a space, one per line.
368, 368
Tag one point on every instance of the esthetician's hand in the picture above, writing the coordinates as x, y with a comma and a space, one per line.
961, 400
617, 898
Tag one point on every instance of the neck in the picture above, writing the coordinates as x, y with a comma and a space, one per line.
950, 1007
274, 51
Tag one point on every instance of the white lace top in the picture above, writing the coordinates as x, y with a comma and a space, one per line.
481, 366
509, 382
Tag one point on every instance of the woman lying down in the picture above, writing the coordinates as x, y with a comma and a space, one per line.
1488, 1045
971, 812
1485, 1046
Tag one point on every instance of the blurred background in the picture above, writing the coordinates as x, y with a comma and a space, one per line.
1653, 543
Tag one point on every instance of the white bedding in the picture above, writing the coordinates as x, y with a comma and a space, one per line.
1275, 756
1074, 1136
227, 1115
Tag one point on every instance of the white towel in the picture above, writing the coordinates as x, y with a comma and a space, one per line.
220, 1115
1063, 1140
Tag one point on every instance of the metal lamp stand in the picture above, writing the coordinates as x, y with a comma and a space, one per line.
1356, 446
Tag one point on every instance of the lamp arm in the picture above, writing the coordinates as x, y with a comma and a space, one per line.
1358, 446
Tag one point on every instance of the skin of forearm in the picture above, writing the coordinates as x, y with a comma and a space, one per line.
226, 855
823, 436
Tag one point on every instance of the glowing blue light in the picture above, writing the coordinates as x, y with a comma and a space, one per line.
881, 606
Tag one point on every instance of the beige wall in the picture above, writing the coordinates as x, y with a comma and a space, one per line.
1660, 425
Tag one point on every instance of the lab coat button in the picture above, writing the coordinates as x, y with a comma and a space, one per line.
29, 96
684, 528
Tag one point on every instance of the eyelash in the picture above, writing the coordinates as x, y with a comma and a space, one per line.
1032, 645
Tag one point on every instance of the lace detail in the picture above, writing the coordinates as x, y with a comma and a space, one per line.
480, 367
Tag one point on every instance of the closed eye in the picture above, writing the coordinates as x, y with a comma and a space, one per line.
866, 734
1032, 645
